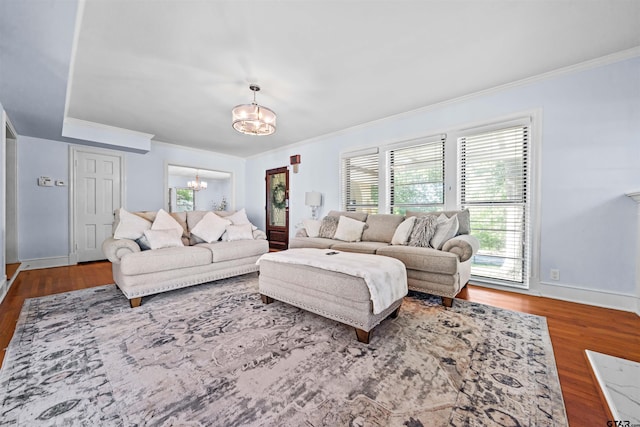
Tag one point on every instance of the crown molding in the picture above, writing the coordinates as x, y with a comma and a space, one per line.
582, 66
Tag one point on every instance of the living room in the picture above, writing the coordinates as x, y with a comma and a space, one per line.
585, 149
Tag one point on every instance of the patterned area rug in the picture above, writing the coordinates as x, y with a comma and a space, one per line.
214, 355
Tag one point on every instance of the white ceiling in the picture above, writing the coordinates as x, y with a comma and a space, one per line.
176, 68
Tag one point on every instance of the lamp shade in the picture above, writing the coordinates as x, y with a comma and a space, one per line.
313, 198
253, 119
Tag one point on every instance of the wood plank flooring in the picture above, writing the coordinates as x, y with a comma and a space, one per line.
572, 327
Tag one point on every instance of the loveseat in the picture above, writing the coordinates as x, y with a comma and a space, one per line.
153, 252
436, 248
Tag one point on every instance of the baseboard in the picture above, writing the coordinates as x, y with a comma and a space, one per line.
598, 298
38, 263
579, 295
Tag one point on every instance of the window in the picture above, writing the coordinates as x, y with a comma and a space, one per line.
359, 181
416, 177
494, 178
185, 200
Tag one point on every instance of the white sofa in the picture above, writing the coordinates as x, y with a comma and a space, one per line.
139, 273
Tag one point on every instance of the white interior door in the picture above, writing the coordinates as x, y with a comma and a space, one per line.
97, 193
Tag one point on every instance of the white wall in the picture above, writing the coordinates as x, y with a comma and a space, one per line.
44, 211
590, 157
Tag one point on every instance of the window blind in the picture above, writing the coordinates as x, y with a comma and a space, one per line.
359, 186
416, 177
494, 180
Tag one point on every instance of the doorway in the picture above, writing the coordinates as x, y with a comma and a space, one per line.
277, 189
97, 192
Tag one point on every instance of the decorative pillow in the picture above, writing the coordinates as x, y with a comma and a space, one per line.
446, 229
210, 227
403, 232
423, 231
131, 226
239, 232
312, 227
164, 221
349, 230
328, 227
143, 243
240, 218
167, 238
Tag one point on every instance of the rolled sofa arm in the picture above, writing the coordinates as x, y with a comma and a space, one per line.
115, 249
464, 245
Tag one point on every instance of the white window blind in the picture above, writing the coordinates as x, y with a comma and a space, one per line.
494, 186
416, 177
359, 186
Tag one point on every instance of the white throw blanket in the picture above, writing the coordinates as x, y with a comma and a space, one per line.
385, 277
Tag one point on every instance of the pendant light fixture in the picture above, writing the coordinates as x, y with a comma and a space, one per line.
253, 119
197, 185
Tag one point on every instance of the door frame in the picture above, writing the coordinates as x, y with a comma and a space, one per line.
276, 171
73, 152
11, 206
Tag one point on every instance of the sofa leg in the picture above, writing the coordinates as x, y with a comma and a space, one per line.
447, 302
265, 299
135, 302
363, 336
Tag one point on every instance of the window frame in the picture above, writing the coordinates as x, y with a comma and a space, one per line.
387, 169
531, 233
373, 151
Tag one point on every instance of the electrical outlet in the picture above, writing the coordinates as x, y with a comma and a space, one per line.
555, 274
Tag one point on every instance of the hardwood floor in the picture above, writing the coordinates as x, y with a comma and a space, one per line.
572, 327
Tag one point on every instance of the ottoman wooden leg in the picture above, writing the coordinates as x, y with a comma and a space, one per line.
135, 302
395, 312
363, 336
265, 299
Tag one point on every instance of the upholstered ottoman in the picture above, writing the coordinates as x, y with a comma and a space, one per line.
359, 290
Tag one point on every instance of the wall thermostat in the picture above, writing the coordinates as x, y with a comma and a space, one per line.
45, 181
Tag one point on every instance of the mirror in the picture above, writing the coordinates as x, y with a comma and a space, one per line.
192, 189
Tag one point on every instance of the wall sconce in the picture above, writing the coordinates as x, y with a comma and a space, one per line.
314, 200
295, 161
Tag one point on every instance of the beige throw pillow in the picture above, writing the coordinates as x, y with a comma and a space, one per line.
163, 238
403, 232
131, 226
239, 232
164, 221
312, 227
446, 229
240, 218
349, 230
210, 227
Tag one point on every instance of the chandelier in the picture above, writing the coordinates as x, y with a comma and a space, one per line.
253, 119
197, 185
